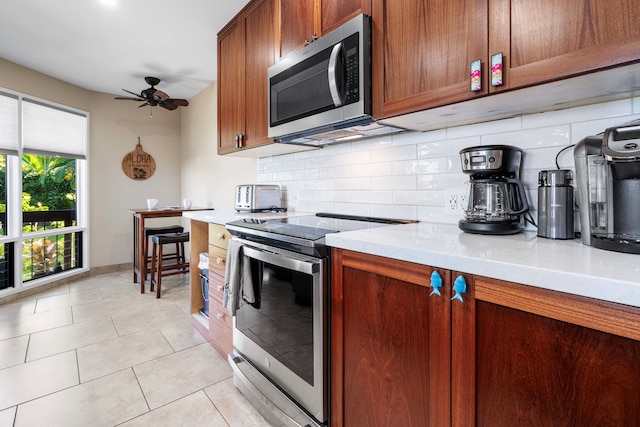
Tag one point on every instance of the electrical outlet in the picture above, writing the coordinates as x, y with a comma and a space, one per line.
455, 201
463, 199
451, 202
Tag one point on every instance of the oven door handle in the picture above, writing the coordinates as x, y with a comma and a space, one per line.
302, 266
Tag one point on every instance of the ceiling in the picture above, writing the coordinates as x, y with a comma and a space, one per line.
110, 45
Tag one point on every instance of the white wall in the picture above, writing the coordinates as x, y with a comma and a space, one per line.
407, 175
115, 127
209, 180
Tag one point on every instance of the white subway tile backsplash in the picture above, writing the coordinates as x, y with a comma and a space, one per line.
578, 114
354, 184
406, 175
395, 211
446, 148
323, 173
362, 209
400, 182
442, 181
487, 128
594, 127
384, 197
403, 152
419, 197
409, 138
372, 169
532, 138
413, 167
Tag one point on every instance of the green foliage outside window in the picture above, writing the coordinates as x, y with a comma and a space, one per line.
49, 181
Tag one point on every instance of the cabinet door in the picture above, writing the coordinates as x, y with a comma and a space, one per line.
230, 85
422, 50
260, 54
301, 20
529, 356
334, 13
390, 346
296, 24
552, 39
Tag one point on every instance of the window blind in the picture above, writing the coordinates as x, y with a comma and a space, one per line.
50, 131
8, 124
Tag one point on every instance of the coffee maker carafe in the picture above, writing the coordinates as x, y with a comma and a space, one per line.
496, 199
608, 182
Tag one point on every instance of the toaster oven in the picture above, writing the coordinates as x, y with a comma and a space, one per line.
255, 198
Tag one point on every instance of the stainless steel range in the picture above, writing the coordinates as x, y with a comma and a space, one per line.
280, 330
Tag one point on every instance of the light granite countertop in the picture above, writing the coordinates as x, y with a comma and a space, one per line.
560, 265
223, 216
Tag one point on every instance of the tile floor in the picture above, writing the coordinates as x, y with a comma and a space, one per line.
96, 352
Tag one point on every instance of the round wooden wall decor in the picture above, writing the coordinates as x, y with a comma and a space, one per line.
138, 164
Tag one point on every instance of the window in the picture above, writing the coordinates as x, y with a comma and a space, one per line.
43, 229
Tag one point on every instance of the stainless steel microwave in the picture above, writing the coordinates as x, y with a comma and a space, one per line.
322, 93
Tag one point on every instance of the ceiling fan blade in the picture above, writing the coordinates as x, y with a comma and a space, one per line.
142, 105
126, 98
172, 104
168, 106
132, 93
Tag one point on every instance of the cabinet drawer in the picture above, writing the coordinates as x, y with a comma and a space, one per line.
217, 259
216, 286
218, 235
220, 327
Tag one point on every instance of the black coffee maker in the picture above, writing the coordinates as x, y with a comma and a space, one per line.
608, 181
496, 199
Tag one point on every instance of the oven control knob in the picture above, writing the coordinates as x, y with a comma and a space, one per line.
267, 363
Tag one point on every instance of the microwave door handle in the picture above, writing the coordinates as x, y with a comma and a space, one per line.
332, 74
281, 261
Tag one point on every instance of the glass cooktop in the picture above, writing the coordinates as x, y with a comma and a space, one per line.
306, 230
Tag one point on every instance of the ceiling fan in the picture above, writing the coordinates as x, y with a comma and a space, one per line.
154, 97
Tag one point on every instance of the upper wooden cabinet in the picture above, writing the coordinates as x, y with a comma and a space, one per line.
550, 40
246, 48
301, 21
422, 50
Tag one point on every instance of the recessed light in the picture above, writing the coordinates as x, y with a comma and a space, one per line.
110, 3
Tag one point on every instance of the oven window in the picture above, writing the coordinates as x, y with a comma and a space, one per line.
281, 322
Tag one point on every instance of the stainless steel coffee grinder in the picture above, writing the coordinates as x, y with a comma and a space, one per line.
608, 182
496, 197
555, 204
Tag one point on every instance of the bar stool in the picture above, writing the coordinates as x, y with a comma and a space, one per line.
159, 269
152, 231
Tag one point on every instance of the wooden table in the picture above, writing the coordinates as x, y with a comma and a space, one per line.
139, 241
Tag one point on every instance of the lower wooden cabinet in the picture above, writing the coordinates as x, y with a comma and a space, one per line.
390, 345
220, 321
507, 354
534, 357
